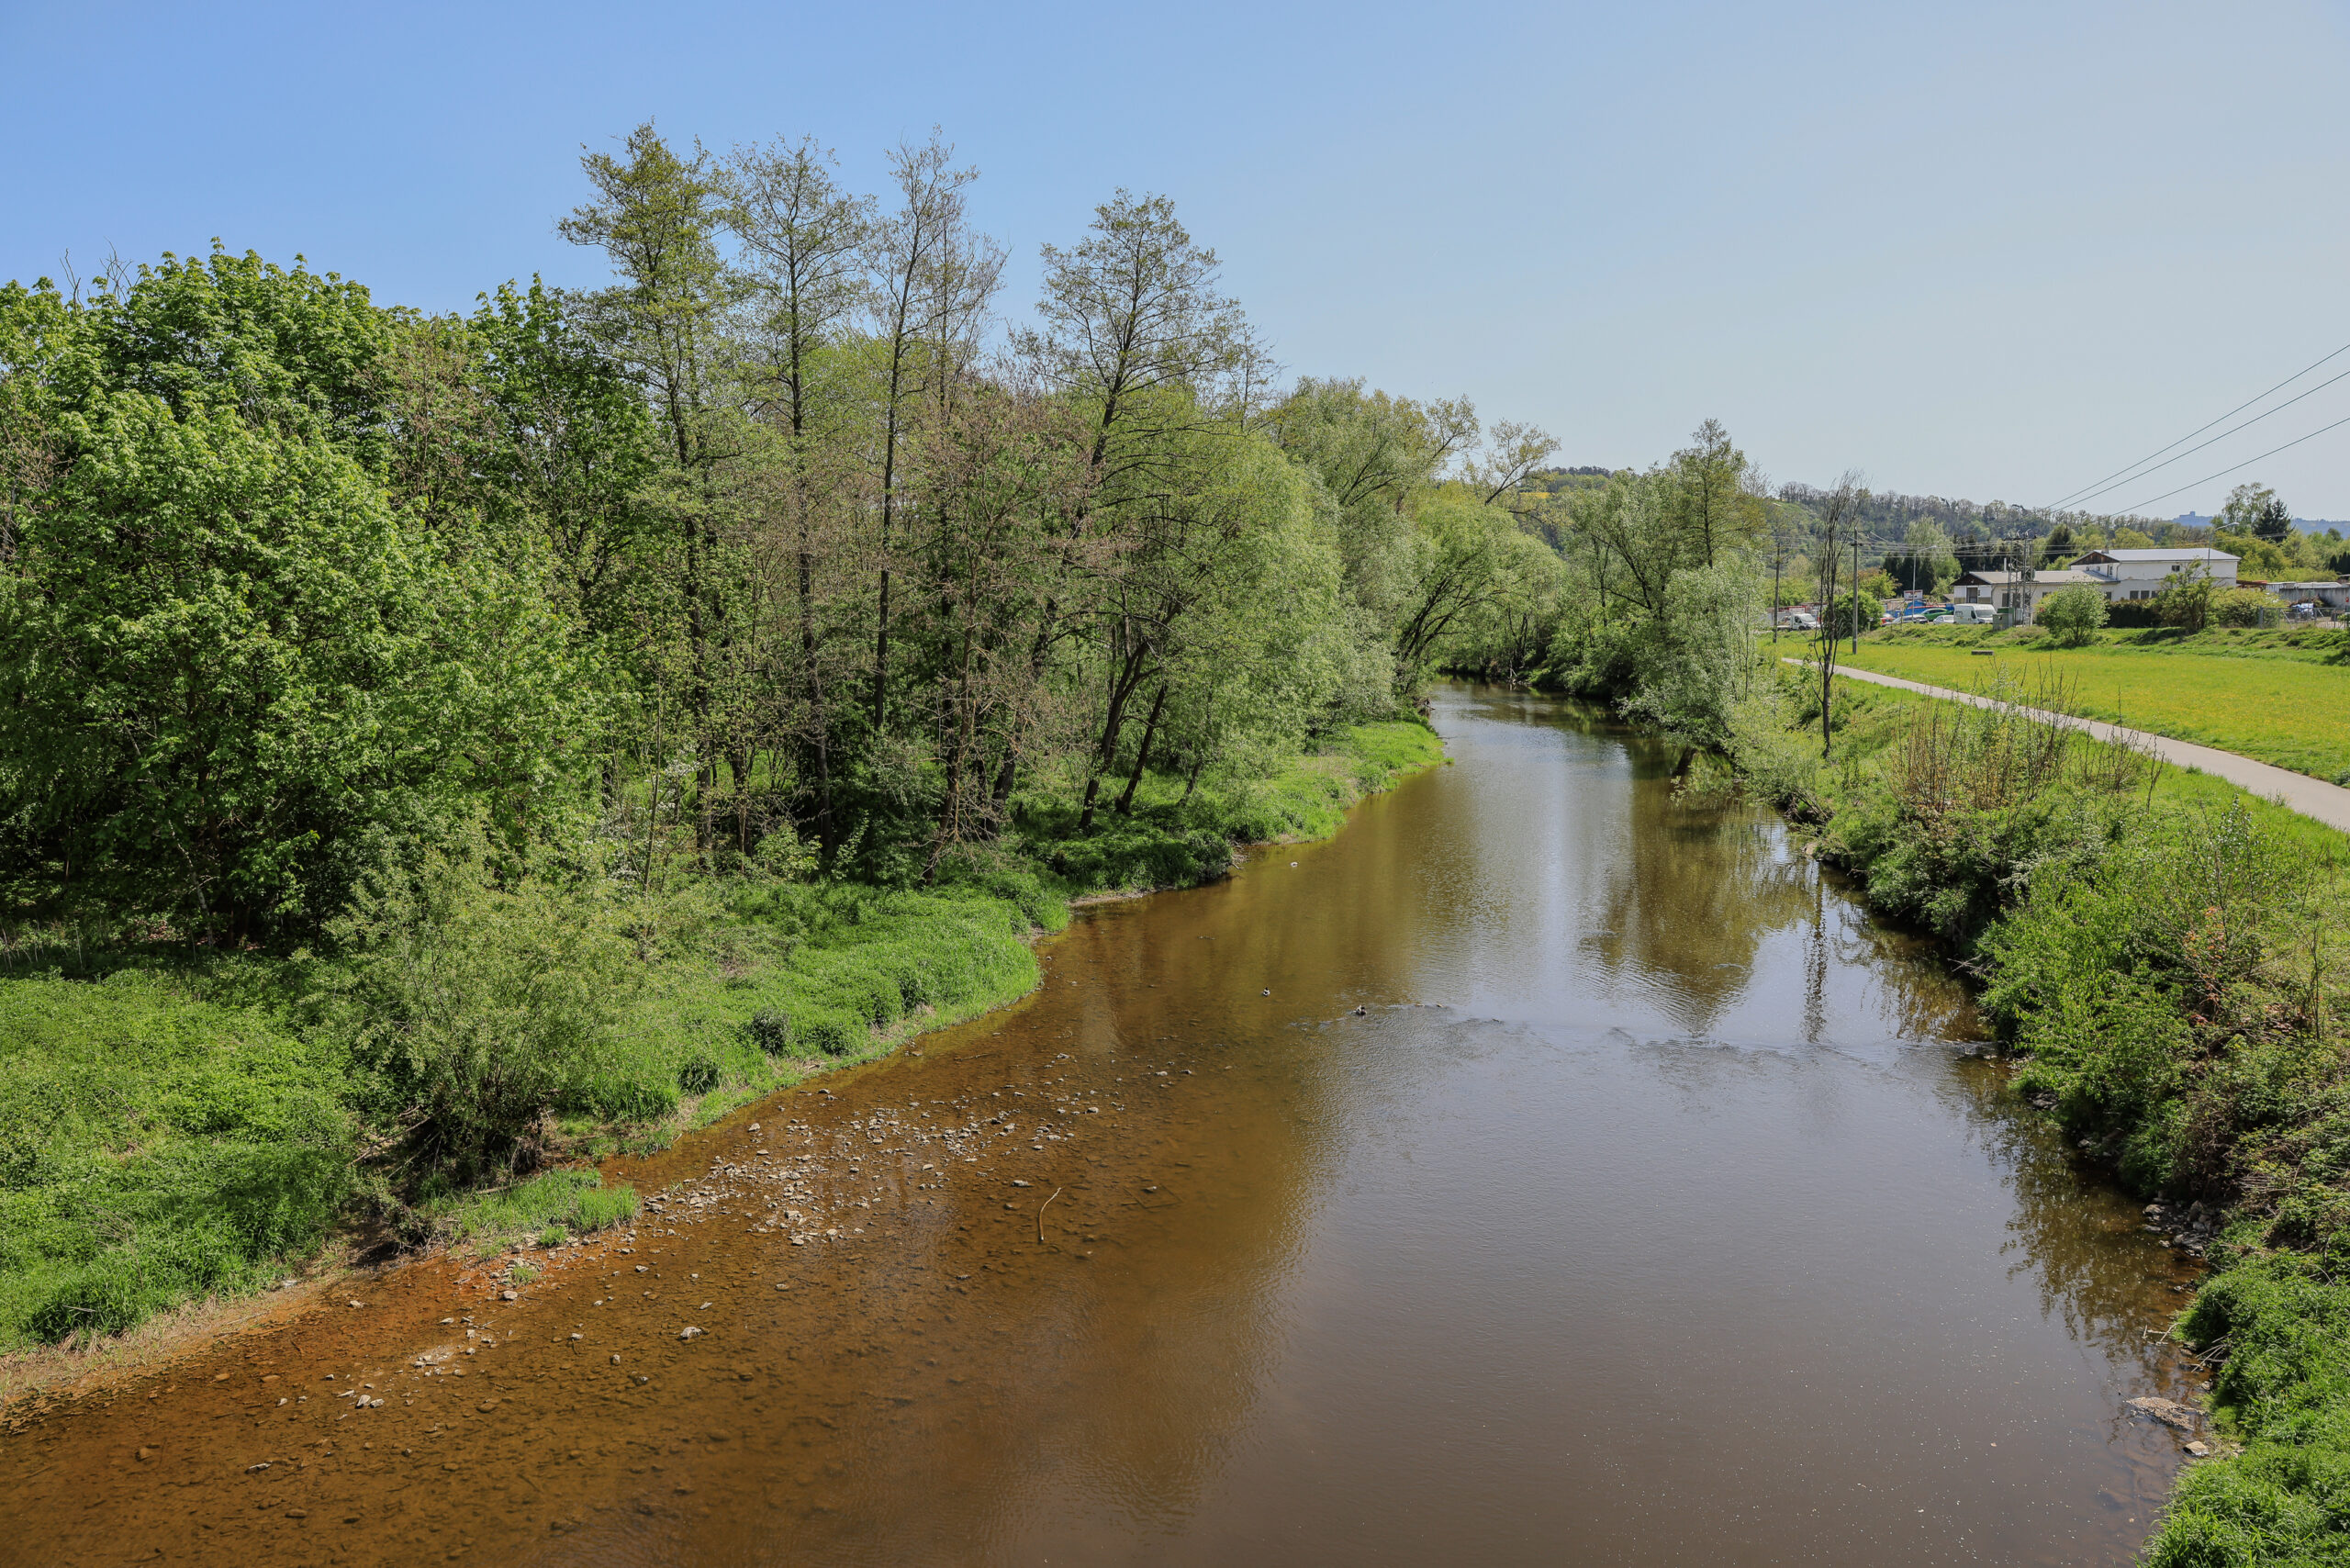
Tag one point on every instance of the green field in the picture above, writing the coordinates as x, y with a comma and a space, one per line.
2279, 697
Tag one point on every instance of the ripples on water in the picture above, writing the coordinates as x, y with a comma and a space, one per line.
1655, 1209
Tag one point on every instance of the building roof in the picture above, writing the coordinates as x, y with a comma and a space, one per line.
2064, 578
2125, 557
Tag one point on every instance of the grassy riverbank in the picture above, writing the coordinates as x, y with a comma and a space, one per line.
2167, 956
2280, 696
176, 1124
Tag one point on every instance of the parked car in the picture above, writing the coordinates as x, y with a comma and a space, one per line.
1799, 621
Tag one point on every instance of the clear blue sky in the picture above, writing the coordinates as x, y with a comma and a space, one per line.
1992, 251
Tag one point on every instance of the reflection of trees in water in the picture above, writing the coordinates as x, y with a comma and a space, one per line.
1699, 887
2076, 1237
1115, 1385
1921, 997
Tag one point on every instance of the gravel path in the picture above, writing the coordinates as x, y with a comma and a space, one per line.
2313, 798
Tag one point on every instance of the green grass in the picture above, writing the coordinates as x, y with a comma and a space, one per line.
555, 1203
2280, 696
155, 1145
1177, 836
1872, 718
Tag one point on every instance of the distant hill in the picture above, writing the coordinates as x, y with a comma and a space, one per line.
2306, 524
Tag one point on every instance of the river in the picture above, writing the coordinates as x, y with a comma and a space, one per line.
1545, 1169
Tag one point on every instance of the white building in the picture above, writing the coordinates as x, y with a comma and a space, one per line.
2141, 574
2018, 591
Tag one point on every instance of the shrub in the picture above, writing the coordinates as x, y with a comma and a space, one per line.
2073, 615
484, 1008
769, 1030
828, 1032
2247, 607
2184, 600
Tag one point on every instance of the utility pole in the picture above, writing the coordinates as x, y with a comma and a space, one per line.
1778, 561
1854, 631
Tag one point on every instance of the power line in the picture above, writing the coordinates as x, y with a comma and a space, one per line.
2130, 467
2224, 434
2245, 464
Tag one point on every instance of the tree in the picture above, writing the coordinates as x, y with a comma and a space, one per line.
659, 216
237, 679
2184, 600
923, 282
1839, 518
1374, 456
1926, 563
2255, 509
802, 237
1716, 507
1462, 549
2074, 615
1165, 369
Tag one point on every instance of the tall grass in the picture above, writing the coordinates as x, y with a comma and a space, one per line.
155, 1145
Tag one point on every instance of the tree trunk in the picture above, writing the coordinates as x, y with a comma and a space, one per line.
1142, 753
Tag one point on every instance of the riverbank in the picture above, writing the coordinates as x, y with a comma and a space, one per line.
177, 1129
2158, 950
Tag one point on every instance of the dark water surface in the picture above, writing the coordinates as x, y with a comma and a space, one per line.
1653, 1211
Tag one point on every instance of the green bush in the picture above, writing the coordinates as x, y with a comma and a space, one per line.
484, 1008
769, 1030
2247, 607
2074, 615
829, 1033
698, 1074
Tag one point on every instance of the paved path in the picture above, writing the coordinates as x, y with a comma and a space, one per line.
2328, 803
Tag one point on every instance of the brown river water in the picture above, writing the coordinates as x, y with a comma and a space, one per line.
1543, 1170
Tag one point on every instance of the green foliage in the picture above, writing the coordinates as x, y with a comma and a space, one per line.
1843, 616
2245, 607
2073, 616
596, 711
1691, 664
552, 1202
2255, 509
478, 1009
155, 1146
236, 677
2184, 600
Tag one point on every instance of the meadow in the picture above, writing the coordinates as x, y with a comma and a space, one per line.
2280, 697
